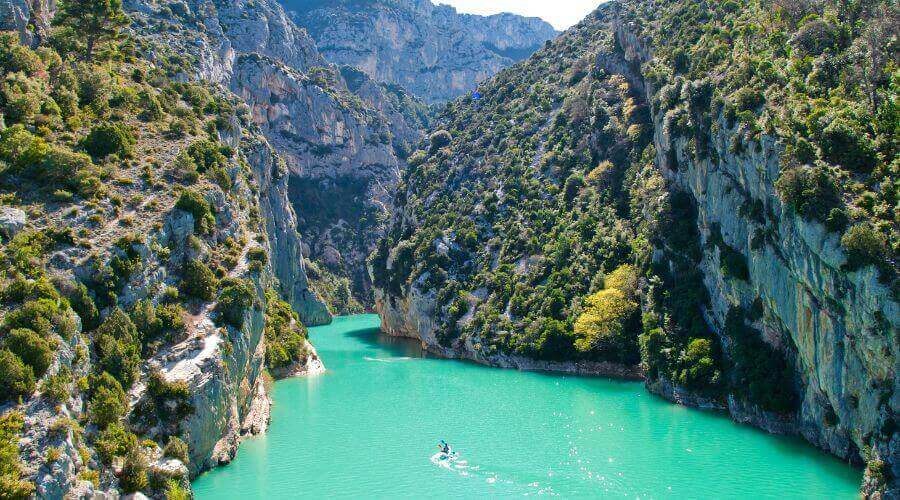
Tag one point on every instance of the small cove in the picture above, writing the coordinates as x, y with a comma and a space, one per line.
368, 428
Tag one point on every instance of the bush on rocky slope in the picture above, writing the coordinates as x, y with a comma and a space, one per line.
285, 334
12, 485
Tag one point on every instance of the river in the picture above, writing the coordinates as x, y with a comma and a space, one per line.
368, 428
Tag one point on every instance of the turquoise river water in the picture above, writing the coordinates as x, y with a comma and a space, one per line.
368, 428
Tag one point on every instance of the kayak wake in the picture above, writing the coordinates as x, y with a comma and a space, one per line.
389, 360
454, 463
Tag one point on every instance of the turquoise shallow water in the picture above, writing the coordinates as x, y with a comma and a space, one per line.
368, 429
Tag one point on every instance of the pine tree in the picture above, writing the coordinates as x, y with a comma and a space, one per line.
95, 21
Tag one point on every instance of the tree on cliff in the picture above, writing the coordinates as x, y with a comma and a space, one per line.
91, 22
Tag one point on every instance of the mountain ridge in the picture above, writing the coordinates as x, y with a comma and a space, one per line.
431, 50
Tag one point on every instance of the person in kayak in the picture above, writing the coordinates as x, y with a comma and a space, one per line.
444, 447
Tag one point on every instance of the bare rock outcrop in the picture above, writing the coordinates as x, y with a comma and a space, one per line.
431, 50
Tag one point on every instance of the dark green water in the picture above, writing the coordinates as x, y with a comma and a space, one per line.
368, 429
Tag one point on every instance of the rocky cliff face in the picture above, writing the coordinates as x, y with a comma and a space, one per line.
835, 324
343, 148
432, 51
29, 18
729, 262
835, 327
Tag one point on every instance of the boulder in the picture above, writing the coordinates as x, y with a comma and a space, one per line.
12, 220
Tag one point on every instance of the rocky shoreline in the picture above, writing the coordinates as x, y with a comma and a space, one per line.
525, 364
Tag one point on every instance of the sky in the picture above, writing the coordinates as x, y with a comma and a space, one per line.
561, 14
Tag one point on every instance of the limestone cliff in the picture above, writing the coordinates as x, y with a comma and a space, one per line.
432, 51
343, 148
834, 326
29, 18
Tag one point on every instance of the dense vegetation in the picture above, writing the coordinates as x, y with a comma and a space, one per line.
821, 76
99, 150
526, 203
285, 334
521, 212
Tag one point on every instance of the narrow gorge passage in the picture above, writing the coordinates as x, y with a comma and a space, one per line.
693, 205
369, 426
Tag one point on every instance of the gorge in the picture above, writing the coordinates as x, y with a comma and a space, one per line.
697, 197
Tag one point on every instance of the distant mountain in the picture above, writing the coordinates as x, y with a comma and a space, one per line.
431, 50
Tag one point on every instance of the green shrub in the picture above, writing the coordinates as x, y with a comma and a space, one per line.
170, 321
16, 378
845, 145
837, 220
161, 322
698, 364
21, 289
67, 100
43, 316
60, 164
815, 36
84, 307
16, 58
748, 99
184, 167
13, 485
258, 258
653, 348
284, 333
22, 98
439, 139
810, 191
194, 203
33, 349
733, 263
108, 402
864, 246
114, 441
207, 155
171, 399
417, 159
117, 345
237, 296
89, 184
573, 186
21, 149
62, 196
108, 139
198, 281
24, 253
177, 448
143, 315
58, 386
151, 109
